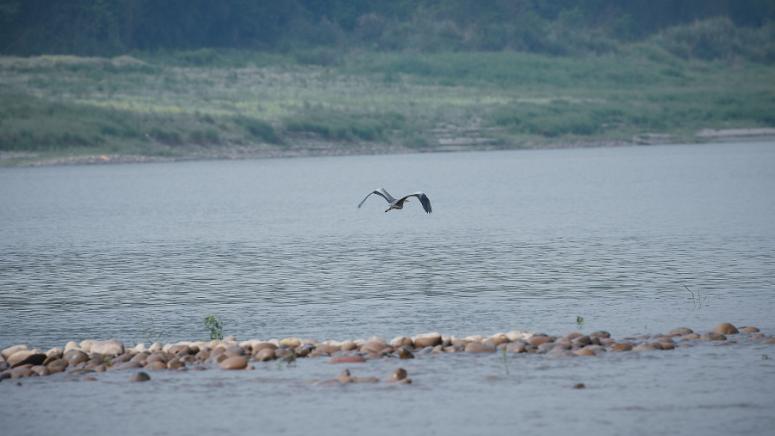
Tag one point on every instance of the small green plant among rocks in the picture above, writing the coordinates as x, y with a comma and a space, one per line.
215, 326
579, 321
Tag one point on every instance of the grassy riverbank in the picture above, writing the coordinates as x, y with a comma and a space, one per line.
223, 104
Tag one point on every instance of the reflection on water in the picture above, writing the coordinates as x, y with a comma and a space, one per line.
524, 240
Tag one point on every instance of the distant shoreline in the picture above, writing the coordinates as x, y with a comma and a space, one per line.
324, 148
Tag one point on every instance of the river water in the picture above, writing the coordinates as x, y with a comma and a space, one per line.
633, 240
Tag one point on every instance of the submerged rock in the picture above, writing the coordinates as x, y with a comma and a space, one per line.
479, 347
713, 336
140, 377
348, 359
399, 374
680, 331
345, 377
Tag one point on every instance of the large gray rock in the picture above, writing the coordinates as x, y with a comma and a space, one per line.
56, 366
74, 357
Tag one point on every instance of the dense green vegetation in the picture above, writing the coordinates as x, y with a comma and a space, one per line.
177, 105
231, 78
111, 27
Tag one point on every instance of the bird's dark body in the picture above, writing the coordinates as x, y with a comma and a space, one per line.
399, 203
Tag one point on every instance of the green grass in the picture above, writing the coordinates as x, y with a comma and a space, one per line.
214, 326
347, 127
208, 101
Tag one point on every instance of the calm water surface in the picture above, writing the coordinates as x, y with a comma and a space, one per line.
518, 240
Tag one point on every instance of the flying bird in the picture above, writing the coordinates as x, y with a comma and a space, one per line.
399, 203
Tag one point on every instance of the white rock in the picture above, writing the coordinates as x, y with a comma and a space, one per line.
156, 346
515, 335
428, 335
71, 346
331, 342
54, 352
139, 348
111, 347
12, 349
292, 342
86, 345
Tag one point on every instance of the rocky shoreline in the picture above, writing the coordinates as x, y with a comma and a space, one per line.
89, 357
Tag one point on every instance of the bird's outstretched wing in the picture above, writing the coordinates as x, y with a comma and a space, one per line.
382, 193
426, 202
